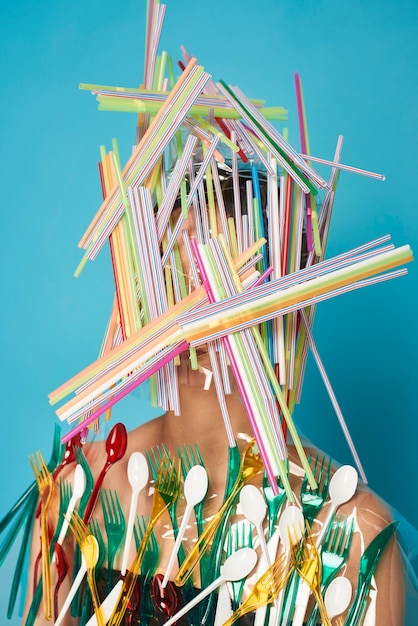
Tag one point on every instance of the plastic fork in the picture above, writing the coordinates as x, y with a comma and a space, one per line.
32, 489
239, 536
65, 495
251, 465
54, 550
45, 484
312, 500
148, 567
307, 563
89, 548
77, 605
334, 553
274, 503
114, 521
59, 554
160, 457
166, 493
95, 529
265, 590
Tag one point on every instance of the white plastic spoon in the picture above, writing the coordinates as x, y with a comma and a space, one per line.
138, 473
338, 596
236, 567
195, 488
254, 508
79, 485
342, 488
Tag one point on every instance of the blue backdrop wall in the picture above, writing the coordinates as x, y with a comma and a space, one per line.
358, 63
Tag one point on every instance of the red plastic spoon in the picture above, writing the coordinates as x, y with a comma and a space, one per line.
116, 443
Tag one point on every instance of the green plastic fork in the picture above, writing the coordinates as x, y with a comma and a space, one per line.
148, 567
239, 536
312, 500
160, 457
114, 522
334, 554
274, 503
77, 604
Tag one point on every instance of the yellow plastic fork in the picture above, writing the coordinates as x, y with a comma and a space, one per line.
251, 465
265, 590
307, 562
89, 548
45, 484
167, 488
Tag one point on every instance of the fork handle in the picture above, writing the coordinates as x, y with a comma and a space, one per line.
46, 570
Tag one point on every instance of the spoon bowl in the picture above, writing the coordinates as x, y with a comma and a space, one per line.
254, 508
239, 564
343, 485
338, 596
195, 485
342, 488
138, 471
116, 443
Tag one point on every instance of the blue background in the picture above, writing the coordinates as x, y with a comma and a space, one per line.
358, 63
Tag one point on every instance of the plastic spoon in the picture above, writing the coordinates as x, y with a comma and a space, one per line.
195, 488
342, 488
254, 508
338, 596
115, 449
138, 473
79, 486
236, 567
